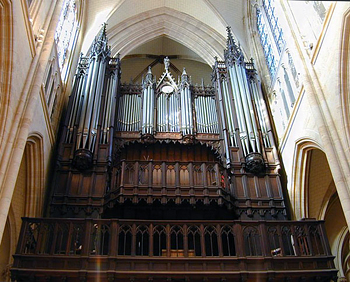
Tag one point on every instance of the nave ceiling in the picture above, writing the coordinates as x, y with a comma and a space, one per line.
191, 31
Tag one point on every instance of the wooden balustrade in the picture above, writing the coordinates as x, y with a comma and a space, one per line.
183, 239
75, 248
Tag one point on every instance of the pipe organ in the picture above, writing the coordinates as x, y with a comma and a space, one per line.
105, 117
167, 180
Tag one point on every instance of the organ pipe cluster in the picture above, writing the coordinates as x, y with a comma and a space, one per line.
92, 103
244, 119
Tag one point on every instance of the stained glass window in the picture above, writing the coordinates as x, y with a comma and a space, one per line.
276, 30
266, 43
66, 30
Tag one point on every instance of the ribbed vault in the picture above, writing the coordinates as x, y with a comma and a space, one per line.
188, 31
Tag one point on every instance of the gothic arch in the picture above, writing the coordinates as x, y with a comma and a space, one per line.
314, 195
35, 178
188, 31
345, 73
6, 26
28, 195
298, 195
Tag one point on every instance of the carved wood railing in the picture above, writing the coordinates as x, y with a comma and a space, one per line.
125, 248
164, 181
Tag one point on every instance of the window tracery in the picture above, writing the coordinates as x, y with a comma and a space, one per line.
279, 61
66, 31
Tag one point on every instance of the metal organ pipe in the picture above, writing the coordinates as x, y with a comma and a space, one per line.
95, 111
148, 104
89, 117
206, 115
78, 86
186, 105
84, 101
239, 108
249, 112
229, 112
222, 113
214, 118
262, 111
254, 128
129, 112
198, 116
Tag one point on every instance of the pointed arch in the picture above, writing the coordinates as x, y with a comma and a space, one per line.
298, 195
28, 195
188, 31
6, 26
34, 175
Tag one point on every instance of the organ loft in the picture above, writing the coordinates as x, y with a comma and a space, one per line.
168, 180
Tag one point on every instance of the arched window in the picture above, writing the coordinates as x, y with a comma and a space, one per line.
266, 20
66, 32
283, 71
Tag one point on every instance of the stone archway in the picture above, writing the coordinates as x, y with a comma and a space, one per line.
314, 195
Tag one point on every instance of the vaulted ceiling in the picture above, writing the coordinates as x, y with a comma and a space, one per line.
188, 30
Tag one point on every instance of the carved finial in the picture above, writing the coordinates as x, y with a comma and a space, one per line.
103, 33
166, 63
149, 76
100, 45
184, 78
104, 26
233, 51
230, 40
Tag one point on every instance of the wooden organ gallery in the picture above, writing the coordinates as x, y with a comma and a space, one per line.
169, 181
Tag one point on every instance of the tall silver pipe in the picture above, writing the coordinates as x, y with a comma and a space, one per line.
76, 97
133, 119
254, 136
185, 97
239, 107
200, 114
84, 101
222, 114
